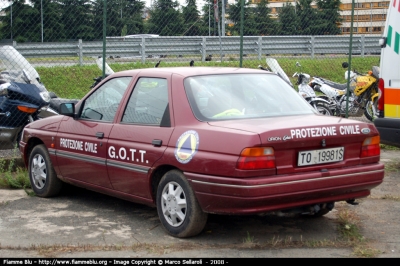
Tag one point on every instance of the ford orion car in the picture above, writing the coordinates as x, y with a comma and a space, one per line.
197, 140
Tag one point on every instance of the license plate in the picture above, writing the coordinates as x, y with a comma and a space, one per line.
320, 156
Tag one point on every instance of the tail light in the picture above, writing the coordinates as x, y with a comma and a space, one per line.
256, 158
381, 102
370, 147
25, 109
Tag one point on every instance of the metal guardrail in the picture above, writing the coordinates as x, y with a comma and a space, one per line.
147, 47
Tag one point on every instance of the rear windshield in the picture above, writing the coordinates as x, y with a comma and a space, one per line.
241, 96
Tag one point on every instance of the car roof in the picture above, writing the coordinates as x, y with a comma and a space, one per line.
192, 71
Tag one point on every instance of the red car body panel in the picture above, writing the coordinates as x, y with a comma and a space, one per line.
126, 163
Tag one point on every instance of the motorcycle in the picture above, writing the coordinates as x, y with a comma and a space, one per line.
307, 92
23, 98
320, 104
363, 93
108, 71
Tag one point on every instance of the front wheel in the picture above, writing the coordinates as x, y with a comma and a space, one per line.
177, 207
370, 109
323, 109
43, 178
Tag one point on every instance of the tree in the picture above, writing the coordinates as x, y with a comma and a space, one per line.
192, 19
165, 18
77, 19
131, 15
307, 17
249, 24
264, 23
329, 17
288, 20
114, 22
53, 28
208, 19
23, 17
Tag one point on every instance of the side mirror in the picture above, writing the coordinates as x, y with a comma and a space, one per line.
345, 65
382, 42
67, 109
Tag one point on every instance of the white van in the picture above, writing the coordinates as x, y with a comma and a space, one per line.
388, 121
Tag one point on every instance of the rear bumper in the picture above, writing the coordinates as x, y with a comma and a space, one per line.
389, 130
264, 194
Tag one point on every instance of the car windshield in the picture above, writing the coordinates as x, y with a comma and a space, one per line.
238, 96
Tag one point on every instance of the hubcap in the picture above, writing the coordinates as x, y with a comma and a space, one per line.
38, 171
173, 204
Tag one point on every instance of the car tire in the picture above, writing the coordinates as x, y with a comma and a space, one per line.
177, 206
43, 178
325, 209
319, 214
369, 111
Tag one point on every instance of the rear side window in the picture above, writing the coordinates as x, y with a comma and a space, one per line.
148, 104
242, 96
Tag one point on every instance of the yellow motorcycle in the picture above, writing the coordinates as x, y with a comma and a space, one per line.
363, 94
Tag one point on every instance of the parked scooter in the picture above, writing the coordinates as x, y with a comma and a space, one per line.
108, 71
23, 98
276, 68
363, 93
320, 104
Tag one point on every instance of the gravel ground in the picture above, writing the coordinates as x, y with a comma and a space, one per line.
9, 153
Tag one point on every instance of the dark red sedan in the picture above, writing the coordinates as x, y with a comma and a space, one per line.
196, 140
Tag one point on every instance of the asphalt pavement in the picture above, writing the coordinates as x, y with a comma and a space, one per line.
81, 223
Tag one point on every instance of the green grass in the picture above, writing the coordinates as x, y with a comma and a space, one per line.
350, 232
387, 147
12, 176
392, 166
74, 81
248, 239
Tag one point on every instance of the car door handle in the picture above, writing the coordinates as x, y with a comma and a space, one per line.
99, 135
156, 142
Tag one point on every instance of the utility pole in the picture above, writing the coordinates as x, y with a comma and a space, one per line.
41, 16
223, 16
11, 21
209, 23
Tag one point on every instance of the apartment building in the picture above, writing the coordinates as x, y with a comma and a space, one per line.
369, 15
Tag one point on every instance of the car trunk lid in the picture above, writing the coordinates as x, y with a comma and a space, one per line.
309, 143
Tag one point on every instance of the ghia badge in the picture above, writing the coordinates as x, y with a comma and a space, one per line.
286, 137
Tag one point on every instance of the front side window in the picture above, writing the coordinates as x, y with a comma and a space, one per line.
102, 105
148, 104
242, 96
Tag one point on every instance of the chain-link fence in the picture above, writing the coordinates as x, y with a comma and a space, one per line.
61, 40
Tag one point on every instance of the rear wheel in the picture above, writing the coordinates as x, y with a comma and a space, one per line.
369, 109
323, 109
177, 207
